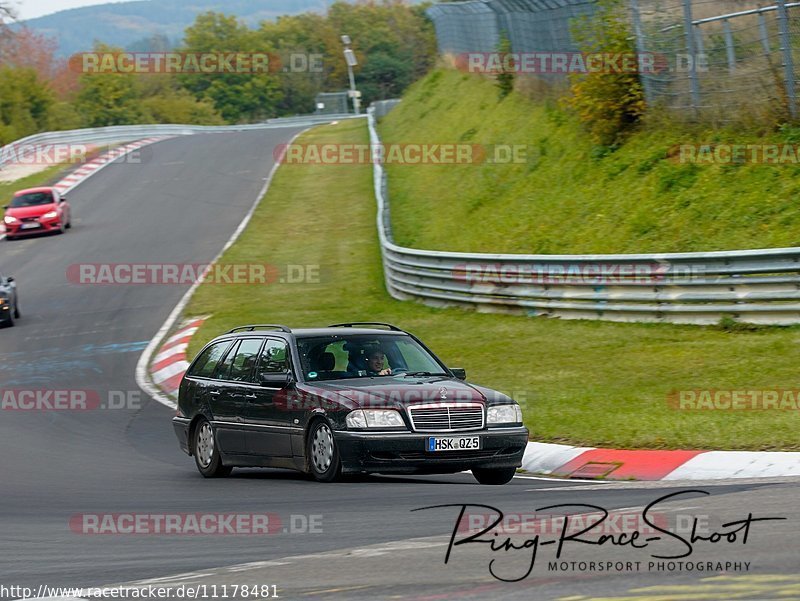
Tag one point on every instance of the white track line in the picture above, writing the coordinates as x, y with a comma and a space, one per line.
142, 367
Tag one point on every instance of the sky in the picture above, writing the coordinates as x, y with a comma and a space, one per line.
28, 9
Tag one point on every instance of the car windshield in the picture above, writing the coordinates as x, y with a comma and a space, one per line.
32, 199
364, 356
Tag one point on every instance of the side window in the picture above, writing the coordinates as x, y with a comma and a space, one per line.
208, 359
224, 367
246, 355
274, 358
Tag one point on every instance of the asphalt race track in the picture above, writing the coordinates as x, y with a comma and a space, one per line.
180, 206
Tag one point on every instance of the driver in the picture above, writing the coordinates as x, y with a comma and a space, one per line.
375, 362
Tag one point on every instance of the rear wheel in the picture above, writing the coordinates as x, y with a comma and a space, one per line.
501, 475
206, 452
16, 309
322, 453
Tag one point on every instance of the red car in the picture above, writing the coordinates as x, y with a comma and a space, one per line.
36, 211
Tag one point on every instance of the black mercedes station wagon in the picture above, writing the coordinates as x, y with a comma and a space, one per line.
349, 398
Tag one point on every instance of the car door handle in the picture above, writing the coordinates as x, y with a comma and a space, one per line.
214, 392
250, 396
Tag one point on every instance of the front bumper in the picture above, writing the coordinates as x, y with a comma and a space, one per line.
404, 452
44, 226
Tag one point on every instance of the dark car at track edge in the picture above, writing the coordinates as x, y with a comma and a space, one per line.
345, 399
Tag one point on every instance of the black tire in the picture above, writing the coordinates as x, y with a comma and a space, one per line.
324, 462
496, 476
206, 453
69, 224
9, 322
16, 310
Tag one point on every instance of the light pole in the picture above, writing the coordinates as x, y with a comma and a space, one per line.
350, 59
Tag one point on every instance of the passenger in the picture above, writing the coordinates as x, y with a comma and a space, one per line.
375, 361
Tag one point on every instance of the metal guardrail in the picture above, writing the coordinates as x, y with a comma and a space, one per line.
754, 286
126, 133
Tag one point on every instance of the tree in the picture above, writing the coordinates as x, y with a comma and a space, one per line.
109, 98
237, 96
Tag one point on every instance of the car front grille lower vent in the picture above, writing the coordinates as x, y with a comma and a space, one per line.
446, 417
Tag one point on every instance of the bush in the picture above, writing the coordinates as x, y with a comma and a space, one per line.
607, 103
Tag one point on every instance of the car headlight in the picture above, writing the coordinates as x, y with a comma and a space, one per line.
9, 219
374, 418
50, 215
504, 414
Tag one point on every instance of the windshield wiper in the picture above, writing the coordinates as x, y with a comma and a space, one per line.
423, 373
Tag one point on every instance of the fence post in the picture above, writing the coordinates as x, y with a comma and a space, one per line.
641, 48
788, 63
688, 28
762, 28
726, 26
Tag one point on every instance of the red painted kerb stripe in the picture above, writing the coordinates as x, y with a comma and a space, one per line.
638, 465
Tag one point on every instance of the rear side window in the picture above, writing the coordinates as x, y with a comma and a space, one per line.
224, 368
245, 359
208, 359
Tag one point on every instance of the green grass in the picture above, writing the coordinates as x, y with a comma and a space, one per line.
42, 178
571, 196
580, 382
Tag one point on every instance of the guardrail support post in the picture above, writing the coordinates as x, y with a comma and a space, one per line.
788, 61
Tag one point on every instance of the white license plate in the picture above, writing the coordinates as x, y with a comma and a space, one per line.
29, 226
453, 443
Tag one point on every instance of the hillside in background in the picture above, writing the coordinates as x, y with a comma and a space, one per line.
127, 24
570, 195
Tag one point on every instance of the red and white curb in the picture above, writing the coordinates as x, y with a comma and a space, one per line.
169, 365
615, 464
86, 171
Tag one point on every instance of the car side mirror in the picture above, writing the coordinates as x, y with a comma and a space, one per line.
281, 380
9, 279
459, 372
6, 206
62, 199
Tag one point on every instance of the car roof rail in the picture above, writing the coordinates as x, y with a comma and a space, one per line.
250, 328
366, 323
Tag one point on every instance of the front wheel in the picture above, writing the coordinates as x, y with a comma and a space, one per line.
206, 452
501, 475
322, 453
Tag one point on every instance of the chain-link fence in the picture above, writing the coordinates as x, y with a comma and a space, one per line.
715, 59
726, 61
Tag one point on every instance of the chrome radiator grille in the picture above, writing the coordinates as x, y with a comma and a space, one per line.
446, 417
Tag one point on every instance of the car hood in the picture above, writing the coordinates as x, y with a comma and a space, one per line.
36, 211
397, 392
